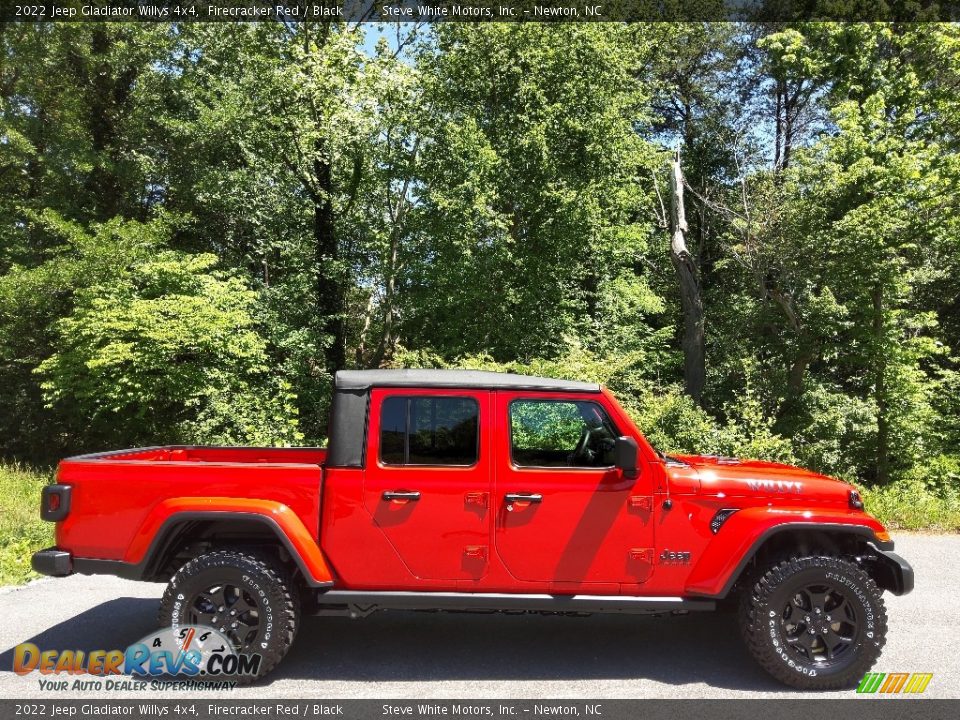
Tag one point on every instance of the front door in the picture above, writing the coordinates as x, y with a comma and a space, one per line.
565, 514
427, 479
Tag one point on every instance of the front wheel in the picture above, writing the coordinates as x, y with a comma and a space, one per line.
247, 597
815, 623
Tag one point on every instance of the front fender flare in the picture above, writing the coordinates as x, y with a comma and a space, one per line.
742, 535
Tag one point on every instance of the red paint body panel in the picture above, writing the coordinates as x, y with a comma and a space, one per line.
432, 535
595, 531
721, 557
118, 500
584, 530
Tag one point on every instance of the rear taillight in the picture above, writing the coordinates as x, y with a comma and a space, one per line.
55, 502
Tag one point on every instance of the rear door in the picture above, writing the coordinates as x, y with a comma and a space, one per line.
428, 478
565, 514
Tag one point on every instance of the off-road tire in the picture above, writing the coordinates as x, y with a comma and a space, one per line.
264, 580
767, 622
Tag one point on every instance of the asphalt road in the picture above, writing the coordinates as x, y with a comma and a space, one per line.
451, 656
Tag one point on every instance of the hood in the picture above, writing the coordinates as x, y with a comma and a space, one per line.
730, 477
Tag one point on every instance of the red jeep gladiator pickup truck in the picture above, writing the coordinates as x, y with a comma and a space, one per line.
465, 490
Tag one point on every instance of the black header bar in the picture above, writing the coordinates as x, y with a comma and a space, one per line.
478, 11
225, 705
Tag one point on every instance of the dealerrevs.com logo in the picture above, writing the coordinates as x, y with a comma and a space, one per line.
190, 657
894, 683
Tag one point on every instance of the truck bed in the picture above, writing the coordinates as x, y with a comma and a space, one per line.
197, 453
120, 497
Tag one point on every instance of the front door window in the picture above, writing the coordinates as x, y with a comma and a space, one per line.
561, 433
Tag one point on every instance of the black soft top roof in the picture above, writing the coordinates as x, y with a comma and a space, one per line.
479, 379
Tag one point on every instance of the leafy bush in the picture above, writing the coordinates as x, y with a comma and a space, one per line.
672, 422
938, 475
913, 505
232, 413
835, 433
168, 349
749, 432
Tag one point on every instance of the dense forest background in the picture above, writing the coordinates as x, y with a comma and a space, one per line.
200, 223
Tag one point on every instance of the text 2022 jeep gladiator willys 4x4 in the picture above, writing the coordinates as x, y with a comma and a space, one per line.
467, 490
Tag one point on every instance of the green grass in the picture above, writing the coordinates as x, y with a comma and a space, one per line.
21, 529
914, 506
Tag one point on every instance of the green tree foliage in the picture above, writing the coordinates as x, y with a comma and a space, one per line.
850, 255
142, 343
168, 340
530, 201
291, 155
200, 223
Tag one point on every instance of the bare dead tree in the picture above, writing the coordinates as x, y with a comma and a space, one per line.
691, 300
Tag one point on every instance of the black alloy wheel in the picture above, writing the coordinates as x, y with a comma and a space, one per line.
231, 610
819, 623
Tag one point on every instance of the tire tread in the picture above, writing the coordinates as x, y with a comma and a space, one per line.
753, 601
253, 563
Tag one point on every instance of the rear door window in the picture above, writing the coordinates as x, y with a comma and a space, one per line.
429, 431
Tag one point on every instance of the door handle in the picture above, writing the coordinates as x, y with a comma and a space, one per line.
402, 495
523, 498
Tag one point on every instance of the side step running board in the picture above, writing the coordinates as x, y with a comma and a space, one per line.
364, 602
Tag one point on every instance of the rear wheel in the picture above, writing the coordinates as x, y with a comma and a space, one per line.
815, 623
249, 598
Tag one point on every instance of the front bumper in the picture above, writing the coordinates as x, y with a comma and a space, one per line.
892, 572
51, 561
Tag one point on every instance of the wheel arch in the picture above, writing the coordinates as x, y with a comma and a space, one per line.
183, 531
719, 569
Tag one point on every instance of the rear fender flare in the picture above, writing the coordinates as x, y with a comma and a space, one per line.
152, 539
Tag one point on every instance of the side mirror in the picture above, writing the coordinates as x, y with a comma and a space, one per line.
625, 456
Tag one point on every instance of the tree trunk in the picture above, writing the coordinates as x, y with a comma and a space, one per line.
329, 286
798, 370
361, 351
880, 391
109, 97
387, 338
808, 347
694, 367
795, 381
778, 124
397, 214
